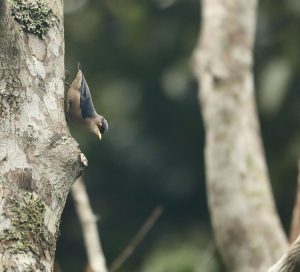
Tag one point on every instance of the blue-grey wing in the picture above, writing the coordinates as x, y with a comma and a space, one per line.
86, 102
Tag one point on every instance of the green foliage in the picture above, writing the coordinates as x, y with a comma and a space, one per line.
34, 16
183, 254
136, 56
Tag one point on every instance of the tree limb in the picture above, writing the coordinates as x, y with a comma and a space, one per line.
295, 225
89, 227
246, 226
290, 261
206, 257
137, 239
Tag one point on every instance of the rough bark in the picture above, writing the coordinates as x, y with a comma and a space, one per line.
39, 160
245, 222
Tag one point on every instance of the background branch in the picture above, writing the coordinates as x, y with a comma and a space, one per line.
89, 227
295, 225
290, 261
207, 256
137, 239
242, 209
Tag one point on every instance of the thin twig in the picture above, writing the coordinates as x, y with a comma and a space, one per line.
295, 225
89, 227
56, 267
207, 256
137, 239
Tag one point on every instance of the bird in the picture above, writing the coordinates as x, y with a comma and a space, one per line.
80, 108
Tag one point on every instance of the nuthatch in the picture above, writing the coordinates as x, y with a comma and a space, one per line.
80, 107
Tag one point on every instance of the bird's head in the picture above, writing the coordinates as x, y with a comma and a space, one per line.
101, 126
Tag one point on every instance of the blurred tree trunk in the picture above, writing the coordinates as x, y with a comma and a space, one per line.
39, 160
245, 222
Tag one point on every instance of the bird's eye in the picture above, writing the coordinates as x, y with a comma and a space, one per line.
103, 126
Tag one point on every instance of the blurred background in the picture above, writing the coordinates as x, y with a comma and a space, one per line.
136, 56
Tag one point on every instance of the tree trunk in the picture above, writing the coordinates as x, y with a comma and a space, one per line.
39, 160
245, 222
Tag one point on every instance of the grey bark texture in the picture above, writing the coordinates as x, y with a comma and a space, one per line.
39, 160
245, 222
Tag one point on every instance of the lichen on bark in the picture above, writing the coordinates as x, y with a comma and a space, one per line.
33, 16
27, 231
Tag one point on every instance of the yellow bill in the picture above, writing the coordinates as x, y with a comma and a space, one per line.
99, 134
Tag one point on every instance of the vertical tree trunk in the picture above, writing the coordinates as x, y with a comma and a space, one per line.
39, 160
246, 225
